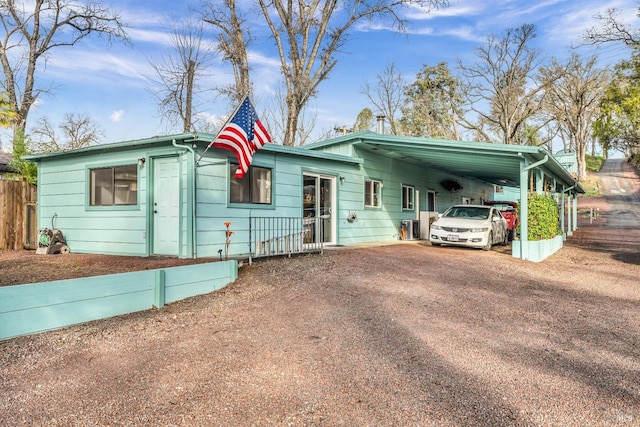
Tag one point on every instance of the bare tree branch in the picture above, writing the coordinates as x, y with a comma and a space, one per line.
179, 74
387, 95
612, 30
308, 35
77, 132
30, 34
504, 78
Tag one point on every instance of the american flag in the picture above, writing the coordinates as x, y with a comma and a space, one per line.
244, 134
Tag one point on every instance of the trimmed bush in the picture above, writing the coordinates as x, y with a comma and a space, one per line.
544, 218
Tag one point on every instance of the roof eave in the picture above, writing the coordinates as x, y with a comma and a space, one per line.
183, 137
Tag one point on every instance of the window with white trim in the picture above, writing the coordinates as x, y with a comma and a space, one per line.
407, 197
372, 193
254, 187
113, 186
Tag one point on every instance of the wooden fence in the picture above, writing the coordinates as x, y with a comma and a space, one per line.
18, 216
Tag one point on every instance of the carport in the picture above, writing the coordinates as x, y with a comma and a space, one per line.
531, 169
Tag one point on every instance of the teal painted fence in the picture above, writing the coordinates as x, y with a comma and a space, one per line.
38, 307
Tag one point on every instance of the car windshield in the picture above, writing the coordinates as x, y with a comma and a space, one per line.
474, 212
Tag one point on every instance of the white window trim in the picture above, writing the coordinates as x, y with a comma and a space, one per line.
412, 200
371, 203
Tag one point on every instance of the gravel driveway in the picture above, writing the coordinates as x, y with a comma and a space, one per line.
400, 335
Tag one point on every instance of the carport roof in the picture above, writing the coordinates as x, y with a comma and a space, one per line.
498, 164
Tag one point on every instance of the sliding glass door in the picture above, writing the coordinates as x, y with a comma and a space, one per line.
318, 209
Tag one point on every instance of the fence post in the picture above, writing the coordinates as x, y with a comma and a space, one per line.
158, 291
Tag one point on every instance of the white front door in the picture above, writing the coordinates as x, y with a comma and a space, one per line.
166, 206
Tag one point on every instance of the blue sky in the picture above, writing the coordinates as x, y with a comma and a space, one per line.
111, 83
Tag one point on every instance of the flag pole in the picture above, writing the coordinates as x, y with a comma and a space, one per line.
221, 128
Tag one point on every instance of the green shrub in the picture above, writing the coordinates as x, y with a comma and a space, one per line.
594, 163
544, 218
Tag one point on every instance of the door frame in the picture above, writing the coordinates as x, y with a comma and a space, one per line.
334, 201
151, 198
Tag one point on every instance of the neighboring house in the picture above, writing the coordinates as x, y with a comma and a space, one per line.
157, 196
505, 193
569, 160
5, 158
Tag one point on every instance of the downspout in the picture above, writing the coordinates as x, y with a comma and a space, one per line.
536, 164
191, 171
524, 204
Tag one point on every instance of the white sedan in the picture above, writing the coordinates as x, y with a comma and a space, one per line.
476, 226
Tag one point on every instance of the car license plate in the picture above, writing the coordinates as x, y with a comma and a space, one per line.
452, 237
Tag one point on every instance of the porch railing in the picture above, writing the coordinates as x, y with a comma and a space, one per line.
270, 236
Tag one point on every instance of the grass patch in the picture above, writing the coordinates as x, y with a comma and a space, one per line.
591, 185
594, 163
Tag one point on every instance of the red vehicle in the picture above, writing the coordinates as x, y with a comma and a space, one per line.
509, 211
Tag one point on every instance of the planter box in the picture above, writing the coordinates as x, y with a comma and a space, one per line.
39, 307
538, 250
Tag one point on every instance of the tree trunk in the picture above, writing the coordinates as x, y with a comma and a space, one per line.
293, 113
189, 96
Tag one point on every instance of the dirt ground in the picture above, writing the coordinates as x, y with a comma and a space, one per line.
397, 335
21, 267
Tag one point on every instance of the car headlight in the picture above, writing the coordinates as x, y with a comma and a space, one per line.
436, 227
478, 230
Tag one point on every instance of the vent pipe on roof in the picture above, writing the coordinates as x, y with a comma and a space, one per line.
380, 124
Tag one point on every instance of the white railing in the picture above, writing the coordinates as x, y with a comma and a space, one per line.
271, 236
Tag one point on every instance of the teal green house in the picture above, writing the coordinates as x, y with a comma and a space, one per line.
174, 196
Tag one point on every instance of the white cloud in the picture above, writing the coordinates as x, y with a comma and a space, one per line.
116, 116
463, 32
571, 24
459, 10
91, 64
150, 36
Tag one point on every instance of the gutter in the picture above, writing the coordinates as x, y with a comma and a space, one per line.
536, 164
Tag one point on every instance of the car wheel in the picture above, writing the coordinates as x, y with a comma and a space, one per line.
512, 234
487, 247
506, 239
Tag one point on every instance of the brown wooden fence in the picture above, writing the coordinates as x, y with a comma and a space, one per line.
18, 216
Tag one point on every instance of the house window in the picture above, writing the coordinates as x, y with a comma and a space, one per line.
407, 197
114, 186
254, 187
372, 193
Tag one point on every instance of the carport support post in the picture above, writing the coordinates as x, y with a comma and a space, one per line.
524, 210
562, 214
539, 181
575, 211
570, 216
